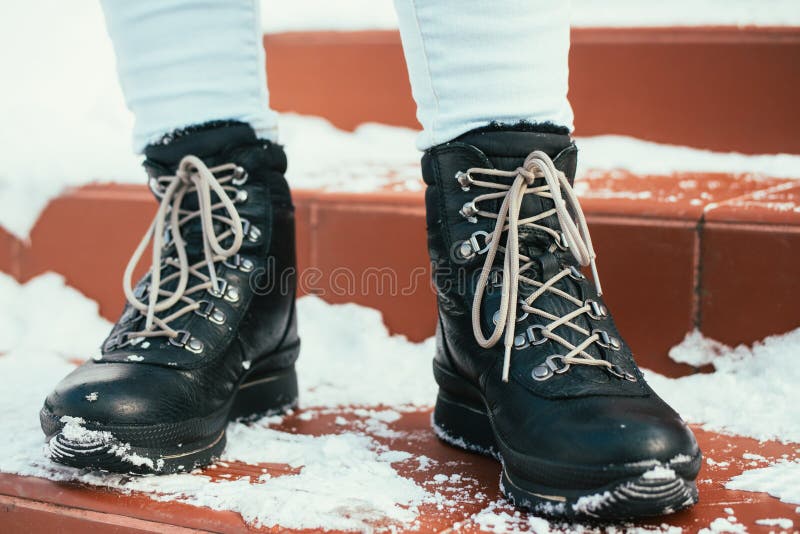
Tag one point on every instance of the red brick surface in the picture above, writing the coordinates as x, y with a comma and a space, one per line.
42, 506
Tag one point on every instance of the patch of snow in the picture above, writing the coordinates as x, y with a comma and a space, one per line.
782, 522
589, 503
607, 152
659, 473
344, 341
721, 525
781, 480
64, 118
633, 13
697, 350
346, 15
135, 358
344, 481
28, 325
91, 397
748, 384
495, 518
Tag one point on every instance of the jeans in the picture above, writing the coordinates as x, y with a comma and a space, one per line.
187, 62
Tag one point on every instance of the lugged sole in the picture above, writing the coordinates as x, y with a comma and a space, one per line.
266, 394
464, 424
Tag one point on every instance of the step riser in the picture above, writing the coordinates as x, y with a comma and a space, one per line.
663, 274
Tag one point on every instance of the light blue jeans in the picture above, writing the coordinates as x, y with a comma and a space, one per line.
187, 62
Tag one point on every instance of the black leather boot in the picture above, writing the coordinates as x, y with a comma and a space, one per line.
530, 366
209, 332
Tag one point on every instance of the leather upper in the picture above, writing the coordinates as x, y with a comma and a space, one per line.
586, 415
154, 380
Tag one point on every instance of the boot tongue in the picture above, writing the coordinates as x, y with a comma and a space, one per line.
507, 150
211, 143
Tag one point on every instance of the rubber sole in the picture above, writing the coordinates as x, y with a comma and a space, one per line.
463, 422
91, 446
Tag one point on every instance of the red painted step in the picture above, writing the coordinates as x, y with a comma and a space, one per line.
36, 505
680, 242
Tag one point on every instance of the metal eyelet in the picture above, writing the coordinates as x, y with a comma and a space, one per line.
226, 291
111, 343
575, 274
239, 176
469, 248
141, 290
155, 187
520, 317
619, 372
562, 242
210, 312
606, 341
185, 340
232, 294
238, 262
241, 196
167, 239
250, 231
533, 337
223, 288
468, 211
549, 368
496, 278
597, 310
464, 180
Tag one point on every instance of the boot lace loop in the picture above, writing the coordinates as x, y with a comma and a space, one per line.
192, 177
573, 235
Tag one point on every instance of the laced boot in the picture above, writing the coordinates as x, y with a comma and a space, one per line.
530, 366
209, 333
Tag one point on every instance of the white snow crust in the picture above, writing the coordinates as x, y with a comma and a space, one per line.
304, 15
782, 522
781, 480
753, 391
356, 481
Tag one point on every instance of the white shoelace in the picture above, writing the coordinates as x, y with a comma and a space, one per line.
575, 233
192, 176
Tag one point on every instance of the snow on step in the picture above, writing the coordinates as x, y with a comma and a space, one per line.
305, 15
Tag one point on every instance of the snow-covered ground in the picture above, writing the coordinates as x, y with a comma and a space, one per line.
65, 122
281, 16
353, 479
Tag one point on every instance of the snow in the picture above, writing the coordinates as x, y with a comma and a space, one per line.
299, 15
722, 524
342, 341
344, 481
782, 522
606, 152
781, 480
697, 350
33, 322
79, 133
659, 473
348, 479
754, 389
495, 519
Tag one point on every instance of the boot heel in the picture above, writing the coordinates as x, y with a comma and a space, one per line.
463, 425
267, 392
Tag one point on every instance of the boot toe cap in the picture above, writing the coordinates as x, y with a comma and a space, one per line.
120, 394
610, 436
